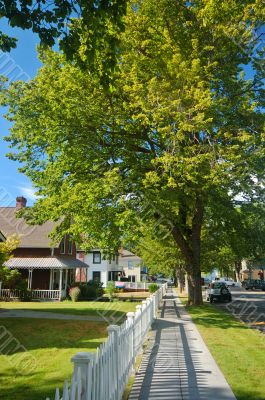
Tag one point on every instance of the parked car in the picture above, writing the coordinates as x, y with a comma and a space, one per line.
218, 291
227, 281
252, 284
161, 281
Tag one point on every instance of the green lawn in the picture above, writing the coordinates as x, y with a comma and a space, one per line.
50, 345
93, 308
238, 350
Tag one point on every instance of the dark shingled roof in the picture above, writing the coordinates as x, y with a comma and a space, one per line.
30, 235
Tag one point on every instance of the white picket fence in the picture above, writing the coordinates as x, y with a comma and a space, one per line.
37, 294
135, 285
103, 375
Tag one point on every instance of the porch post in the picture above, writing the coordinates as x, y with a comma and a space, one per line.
66, 278
51, 280
60, 284
30, 279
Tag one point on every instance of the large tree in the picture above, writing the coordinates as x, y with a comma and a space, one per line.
99, 21
179, 130
233, 237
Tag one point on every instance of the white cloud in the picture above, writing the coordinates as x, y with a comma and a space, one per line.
28, 192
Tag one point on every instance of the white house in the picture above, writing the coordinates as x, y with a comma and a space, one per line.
100, 267
132, 266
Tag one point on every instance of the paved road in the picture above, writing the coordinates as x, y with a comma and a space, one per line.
248, 306
177, 364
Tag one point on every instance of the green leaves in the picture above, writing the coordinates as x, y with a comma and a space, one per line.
88, 31
178, 131
6, 249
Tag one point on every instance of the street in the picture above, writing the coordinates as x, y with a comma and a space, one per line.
248, 306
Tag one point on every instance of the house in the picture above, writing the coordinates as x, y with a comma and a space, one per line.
126, 266
252, 269
132, 266
48, 269
100, 267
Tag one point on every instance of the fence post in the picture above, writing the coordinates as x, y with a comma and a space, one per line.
82, 361
139, 330
130, 319
152, 298
148, 316
144, 318
114, 329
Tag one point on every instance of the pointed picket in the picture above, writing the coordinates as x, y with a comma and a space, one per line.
57, 394
72, 390
65, 391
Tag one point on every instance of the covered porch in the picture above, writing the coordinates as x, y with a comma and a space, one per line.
47, 277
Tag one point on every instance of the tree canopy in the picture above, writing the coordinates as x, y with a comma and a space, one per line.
179, 130
84, 28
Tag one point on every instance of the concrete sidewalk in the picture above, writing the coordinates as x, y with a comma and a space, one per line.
177, 364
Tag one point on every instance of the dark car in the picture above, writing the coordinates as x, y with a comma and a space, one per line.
253, 284
218, 291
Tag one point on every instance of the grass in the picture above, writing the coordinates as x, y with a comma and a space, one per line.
92, 308
238, 350
50, 344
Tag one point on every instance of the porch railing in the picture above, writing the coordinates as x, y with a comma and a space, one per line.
103, 375
46, 294
36, 294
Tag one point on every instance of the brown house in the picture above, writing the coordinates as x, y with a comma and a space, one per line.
48, 268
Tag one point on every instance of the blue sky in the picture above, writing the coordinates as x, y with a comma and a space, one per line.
23, 63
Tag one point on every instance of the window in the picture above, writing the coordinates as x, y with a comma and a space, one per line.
62, 246
131, 278
113, 275
96, 276
130, 265
70, 245
96, 257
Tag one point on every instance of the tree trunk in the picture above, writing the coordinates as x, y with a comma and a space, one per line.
197, 294
190, 291
180, 278
189, 243
238, 267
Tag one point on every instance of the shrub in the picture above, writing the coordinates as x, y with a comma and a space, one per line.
25, 295
153, 287
91, 290
74, 293
110, 290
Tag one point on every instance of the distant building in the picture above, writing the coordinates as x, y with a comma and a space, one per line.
132, 265
100, 267
252, 269
47, 268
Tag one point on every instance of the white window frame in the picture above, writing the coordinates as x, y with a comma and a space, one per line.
63, 242
96, 253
